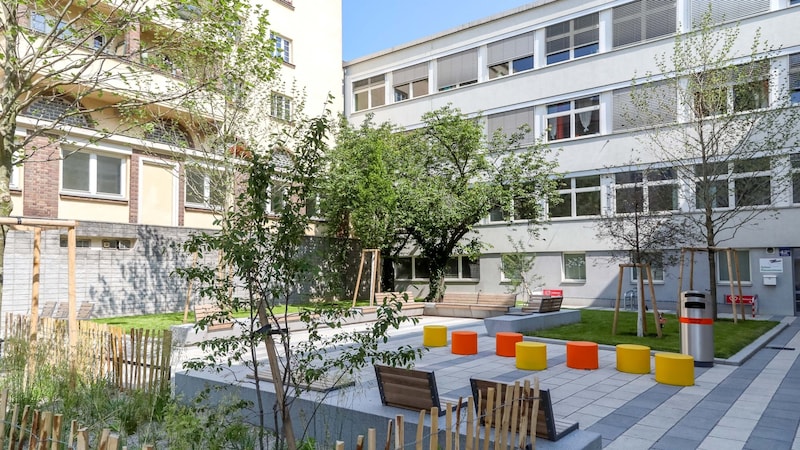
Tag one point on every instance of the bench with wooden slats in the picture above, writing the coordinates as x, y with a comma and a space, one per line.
479, 301
413, 389
542, 304
547, 426
217, 323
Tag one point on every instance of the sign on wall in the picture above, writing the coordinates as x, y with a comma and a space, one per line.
770, 265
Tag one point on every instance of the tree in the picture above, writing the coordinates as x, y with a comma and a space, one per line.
430, 187
270, 262
733, 134
95, 69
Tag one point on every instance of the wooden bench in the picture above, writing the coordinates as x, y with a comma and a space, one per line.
478, 304
547, 426
542, 304
381, 297
218, 320
60, 310
413, 389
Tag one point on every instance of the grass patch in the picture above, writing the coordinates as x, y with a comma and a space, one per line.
595, 326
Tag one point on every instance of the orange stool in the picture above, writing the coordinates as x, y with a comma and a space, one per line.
464, 342
506, 343
582, 355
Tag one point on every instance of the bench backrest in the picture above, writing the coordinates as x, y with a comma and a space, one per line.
497, 299
203, 311
413, 389
545, 422
460, 297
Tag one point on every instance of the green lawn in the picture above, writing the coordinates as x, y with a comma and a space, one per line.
595, 326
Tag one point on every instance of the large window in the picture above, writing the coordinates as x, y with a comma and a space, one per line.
739, 183
457, 70
643, 19
573, 38
91, 173
277, 198
416, 268
281, 107
726, 10
510, 122
580, 117
647, 105
794, 77
282, 47
795, 161
651, 190
410, 82
742, 260
370, 92
736, 89
45, 24
205, 187
510, 55
579, 197
574, 266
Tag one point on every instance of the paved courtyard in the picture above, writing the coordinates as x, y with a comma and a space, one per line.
755, 405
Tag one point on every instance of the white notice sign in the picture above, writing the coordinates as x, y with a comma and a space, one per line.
770, 265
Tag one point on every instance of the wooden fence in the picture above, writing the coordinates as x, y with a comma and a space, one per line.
509, 424
137, 359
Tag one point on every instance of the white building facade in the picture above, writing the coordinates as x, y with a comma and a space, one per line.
562, 67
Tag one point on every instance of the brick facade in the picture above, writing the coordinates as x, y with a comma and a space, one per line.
41, 179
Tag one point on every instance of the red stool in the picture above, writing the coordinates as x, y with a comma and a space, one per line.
464, 342
506, 343
582, 355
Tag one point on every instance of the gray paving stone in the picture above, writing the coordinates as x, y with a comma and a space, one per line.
674, 442
759, 443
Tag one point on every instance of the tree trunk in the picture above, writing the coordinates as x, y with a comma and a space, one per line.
712, 262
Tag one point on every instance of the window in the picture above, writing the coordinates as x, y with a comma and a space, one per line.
13, 182
573, 118
205, 187
739, 183
728, 10
90, 173
735, 89
654, 104
795, 161
44, 24
281, 107
277, 198
574, 266
370, 92
313, 206
169, 132
457, 70
794, 77
579, 197
510, 55
656, 261
643, 19
742, 260
416, 268
58, 108
652, 190
282, 48
410, 82
509, 122
573, 38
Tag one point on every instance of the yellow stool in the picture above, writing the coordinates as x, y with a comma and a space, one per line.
531, 355
632, 358
675, 369
434, 336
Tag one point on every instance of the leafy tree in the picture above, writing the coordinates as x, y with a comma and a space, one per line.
733, 133
436, 183
270, 261
94, 69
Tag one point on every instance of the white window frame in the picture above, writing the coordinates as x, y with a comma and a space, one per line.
574, 112
13, 182
462, 259
92, 175
794, 161
573, 191
208, 186
564, 257
730, 94
729, 180
722, 275
280, 107
283, 47
645, 185
657, 270
552, 36
375, 90
271, 207
408, 82
794, 76
44, 23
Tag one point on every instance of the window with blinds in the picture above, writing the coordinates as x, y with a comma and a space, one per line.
369, 92
572, 39
643, 19
457, 70
410, 82
510, 122
657, 104
510, 55
726, 10
794, 77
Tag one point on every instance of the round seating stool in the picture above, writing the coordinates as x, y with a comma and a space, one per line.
633, 358
505, 343
464, 342
434, 336
582, 355
531, 355
675, 369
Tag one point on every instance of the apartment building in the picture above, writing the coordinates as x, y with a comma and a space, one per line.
564, 67
139, 192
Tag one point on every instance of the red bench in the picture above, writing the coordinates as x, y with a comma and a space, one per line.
751, 300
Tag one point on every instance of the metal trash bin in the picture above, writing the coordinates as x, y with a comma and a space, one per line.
697, 328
